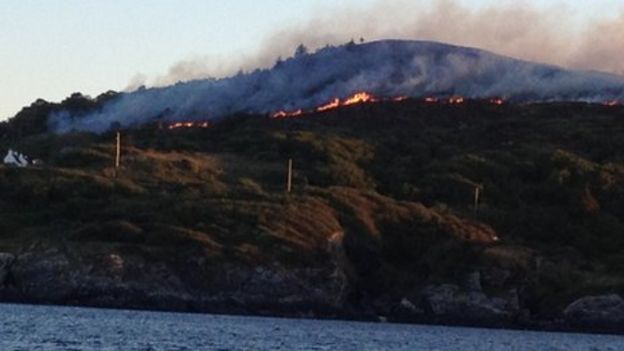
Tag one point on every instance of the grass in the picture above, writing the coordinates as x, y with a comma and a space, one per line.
397, 179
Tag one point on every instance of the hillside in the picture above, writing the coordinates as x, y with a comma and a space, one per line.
387, 69
381, 220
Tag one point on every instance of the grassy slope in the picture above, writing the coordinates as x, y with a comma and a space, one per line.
396, 179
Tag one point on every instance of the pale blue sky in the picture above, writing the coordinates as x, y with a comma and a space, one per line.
50, 48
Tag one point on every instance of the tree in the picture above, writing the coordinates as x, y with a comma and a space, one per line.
301, 50
106, 97
279, 62
351, 44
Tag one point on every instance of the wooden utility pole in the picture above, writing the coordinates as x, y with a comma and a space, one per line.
477, 197
290, 175
118, 151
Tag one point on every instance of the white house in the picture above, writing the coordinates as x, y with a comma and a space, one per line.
14, 158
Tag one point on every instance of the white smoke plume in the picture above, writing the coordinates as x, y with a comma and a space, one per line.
518, 29
388, 68
384, 68
602, 48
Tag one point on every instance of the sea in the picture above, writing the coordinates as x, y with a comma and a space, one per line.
25, 327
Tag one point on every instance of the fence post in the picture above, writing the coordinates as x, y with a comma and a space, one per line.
117, 153
290, 176
477, 197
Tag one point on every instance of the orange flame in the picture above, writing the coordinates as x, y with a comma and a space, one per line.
612, 103
359, 98
334, 104
456, 100
194, 124
497, 101
431, 100
286, 114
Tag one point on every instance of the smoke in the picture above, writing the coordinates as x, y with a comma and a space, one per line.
383, 68
553, 35
204, 67
215, 66
602, 47
387, 68
137, 81
515, 29
518, 29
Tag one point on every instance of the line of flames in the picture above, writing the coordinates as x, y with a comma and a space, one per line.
360, 98
364, 97
355, 99
194, 124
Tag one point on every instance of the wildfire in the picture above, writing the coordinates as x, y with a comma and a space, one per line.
456, 100
359, 98
355, 99
365, 97
194, 124
332, 105
286, 114
612, 103
453, 100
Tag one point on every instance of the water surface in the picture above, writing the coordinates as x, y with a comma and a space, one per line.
65, 328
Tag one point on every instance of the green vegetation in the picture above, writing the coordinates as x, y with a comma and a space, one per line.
398, 179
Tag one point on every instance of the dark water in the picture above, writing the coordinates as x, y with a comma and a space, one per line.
62, 328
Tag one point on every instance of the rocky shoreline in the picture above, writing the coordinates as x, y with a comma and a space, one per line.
51, 276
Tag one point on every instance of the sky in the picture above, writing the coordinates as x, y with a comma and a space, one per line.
50, 49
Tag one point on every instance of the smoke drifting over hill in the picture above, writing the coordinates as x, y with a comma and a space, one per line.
512, 28
385, 69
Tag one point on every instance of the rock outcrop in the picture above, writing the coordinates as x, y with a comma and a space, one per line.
107, 277
449, 302
596, 312
6, 260
124, 280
